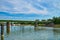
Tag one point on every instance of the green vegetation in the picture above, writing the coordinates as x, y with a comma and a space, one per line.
55, 20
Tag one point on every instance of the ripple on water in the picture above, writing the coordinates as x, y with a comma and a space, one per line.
29, 33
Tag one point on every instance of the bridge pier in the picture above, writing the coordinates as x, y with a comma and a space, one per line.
2, 31
8, 27
36, 23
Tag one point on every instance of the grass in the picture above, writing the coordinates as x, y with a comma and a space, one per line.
41, 24
57, 25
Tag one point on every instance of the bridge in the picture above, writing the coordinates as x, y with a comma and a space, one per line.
7, 23
11, 22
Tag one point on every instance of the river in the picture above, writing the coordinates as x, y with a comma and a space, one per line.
30, 33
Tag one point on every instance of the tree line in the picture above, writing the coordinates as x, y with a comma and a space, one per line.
55, 20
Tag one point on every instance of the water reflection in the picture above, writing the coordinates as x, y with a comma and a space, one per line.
23, 32
57, 34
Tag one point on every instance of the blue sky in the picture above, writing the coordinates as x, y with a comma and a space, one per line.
29, 9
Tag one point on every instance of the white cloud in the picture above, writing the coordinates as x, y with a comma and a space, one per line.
21, 6
26, 6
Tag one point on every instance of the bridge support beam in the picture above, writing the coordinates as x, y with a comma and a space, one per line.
8, 27
2, 31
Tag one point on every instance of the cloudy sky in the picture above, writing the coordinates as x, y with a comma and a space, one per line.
29, 9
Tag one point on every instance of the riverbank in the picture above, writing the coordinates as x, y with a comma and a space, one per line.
57, 25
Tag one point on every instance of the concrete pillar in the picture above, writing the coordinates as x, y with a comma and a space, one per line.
8, 27
2, 31
36, 23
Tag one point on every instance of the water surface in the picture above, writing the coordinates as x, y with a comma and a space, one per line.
30, 33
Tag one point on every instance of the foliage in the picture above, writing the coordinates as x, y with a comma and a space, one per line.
55, 20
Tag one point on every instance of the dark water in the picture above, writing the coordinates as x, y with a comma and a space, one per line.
31, 33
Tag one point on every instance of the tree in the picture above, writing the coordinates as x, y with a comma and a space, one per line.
56, 20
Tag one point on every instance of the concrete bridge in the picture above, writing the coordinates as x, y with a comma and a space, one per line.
8, 23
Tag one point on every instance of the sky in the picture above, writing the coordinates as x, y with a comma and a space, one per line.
29, 9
